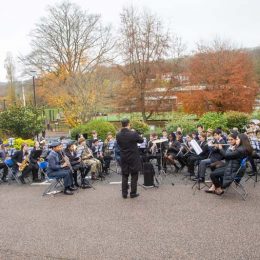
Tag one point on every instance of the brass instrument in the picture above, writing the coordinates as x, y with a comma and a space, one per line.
24, 163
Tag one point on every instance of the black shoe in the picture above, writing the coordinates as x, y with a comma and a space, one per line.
72, 188
124, 196
21, 179
84, 186
201, 179
252, 174
195, 178
37, 180
134, 195
181, 168
4, 180
77, 185
68, 192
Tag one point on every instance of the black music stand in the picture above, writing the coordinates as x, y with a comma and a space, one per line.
255, 176
198, 183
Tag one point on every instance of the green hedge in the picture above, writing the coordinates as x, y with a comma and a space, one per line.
101, 126
214, 120
237, 119
186, 122
139, 126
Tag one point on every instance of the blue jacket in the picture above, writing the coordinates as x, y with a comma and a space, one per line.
53, 162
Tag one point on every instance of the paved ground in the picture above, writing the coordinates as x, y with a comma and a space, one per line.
165, 223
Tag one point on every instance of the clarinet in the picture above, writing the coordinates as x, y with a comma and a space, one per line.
66, 160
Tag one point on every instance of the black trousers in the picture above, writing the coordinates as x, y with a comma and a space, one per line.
217, 177
5, 170
134, 179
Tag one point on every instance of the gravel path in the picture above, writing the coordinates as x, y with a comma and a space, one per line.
165, 223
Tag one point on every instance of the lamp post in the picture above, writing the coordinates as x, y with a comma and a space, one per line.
33, 73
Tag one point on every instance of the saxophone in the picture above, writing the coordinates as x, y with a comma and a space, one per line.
24, 163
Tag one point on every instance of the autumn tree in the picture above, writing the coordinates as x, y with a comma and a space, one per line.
224, 80
142, 45
10, 76
68, 45
69, 40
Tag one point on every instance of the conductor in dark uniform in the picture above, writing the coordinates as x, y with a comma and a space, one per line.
127, 140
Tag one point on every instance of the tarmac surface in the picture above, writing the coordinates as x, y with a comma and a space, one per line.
169, 222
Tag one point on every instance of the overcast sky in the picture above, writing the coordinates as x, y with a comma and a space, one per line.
193, 20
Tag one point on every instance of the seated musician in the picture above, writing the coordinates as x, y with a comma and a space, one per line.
187, 151
108, 151
155, 149
58, 169
97, 151
3, 166
256, 149
45, 149
179, 136
222, 177
88, 158
210, 137
75, 162
171, 156
21, 162
203, 155
164, 135
94, 137
34, 158
214, 156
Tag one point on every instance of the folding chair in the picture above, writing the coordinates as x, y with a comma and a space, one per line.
42, 167
56, 186
11, 174
236, 183
255, 176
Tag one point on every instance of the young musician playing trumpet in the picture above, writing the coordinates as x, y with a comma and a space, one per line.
222, 177
214, 154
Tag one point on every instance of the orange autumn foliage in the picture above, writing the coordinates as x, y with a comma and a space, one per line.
226, 79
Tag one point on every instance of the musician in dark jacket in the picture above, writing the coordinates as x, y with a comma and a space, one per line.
2, 162
130, 158
239, 149
58, 169
77, 165
34, 159
203, 155
171, 155
19, 158
214, 154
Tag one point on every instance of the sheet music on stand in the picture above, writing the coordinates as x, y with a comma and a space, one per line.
196, 147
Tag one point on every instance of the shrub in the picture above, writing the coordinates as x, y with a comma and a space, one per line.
101, 126
19, 141
25, 122
256, 115
186, 122
236, 119
213, 120
139, 126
